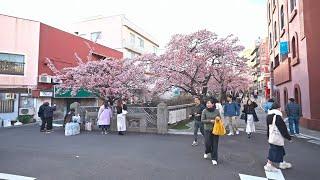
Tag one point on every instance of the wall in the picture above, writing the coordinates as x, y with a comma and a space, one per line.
13, 115
312, 32
60, 47
20, 36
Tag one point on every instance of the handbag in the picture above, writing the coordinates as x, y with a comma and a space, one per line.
243, 116
275, 136
218, 128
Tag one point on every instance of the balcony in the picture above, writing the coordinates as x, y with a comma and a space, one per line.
282, 73
133, 47
11, 68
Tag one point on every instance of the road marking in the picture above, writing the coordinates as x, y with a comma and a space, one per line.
248, 177
15, 177
277, 175
314, 142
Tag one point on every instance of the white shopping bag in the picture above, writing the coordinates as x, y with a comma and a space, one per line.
75, 128
88, 126
68, 129
6, 123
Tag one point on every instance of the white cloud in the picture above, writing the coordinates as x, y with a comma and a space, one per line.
160, 18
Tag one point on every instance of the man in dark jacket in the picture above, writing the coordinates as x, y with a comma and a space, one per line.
294, 113
196, 117
46, 114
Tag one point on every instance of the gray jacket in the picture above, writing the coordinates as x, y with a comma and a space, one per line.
207, 116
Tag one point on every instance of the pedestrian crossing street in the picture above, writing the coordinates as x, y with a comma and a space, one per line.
269, 176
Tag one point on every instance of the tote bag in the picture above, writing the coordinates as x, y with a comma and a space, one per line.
218, 128
275, 136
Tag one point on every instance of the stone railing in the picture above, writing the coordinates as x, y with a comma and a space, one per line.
143, 119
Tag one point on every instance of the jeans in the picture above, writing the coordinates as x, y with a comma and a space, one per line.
48, 122
197, 125
232, 123
294, 121
211, 142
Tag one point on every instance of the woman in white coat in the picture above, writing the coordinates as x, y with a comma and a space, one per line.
121, 117
104, 117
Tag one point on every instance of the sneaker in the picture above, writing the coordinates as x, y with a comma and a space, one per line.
214, 162
249, 135
106, 132
205, 156
102, 133
230, 134
285, 165
268, 167
237, 132
194, 143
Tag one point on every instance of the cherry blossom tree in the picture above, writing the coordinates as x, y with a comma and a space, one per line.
198, 63
106, 78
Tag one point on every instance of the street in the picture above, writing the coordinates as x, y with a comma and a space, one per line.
27, 152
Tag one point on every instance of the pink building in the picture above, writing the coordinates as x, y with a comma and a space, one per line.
296, 73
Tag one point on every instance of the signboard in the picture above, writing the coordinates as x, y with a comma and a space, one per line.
284, 48
67, 94
46, 94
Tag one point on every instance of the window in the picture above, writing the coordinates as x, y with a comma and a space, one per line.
276, 61
95, 36
282, 18
285, 96
6, 104
269, 12
141, 42
297, 94
12, 64
294, 48
275, 31
132, 39
270, 41
293, 4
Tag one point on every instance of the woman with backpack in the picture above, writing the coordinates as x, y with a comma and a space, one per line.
104, 117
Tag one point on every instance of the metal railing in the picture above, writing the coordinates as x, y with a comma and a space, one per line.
12, 68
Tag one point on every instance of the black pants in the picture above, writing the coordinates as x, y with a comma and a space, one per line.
211, 142
48, 122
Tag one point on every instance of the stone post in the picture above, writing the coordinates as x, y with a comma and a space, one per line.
162, 118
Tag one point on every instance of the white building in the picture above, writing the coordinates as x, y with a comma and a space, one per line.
118, 33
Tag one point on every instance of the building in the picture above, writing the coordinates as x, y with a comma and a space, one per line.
294, 36
116, 32
264, 76
25, 79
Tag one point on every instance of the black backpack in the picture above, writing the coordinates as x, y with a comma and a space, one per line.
47, 112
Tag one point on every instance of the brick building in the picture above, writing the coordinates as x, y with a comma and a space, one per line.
294, 25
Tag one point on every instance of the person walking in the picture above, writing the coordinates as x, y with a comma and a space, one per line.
196, 117
46, 114
231, 110
104, 117
211, 141
250, 116
121, 117
294, 114
276, 131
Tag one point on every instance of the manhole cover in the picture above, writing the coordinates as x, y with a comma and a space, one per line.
239, 158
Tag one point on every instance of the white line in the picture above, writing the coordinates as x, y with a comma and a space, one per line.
277, 175
248, 177
14, 177
314, 142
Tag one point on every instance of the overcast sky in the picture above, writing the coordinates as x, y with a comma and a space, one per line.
160, 18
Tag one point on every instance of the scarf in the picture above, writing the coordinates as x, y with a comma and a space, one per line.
275, 111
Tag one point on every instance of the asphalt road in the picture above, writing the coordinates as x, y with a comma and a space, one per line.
90, 155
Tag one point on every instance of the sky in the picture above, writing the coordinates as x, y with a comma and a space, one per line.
246, 19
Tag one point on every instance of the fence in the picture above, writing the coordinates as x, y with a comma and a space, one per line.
143, 119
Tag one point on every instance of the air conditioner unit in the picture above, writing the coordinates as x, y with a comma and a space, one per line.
9, 96
26, 111
45, 79
56, 81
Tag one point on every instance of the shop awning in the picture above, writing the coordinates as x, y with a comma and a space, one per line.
82, 93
